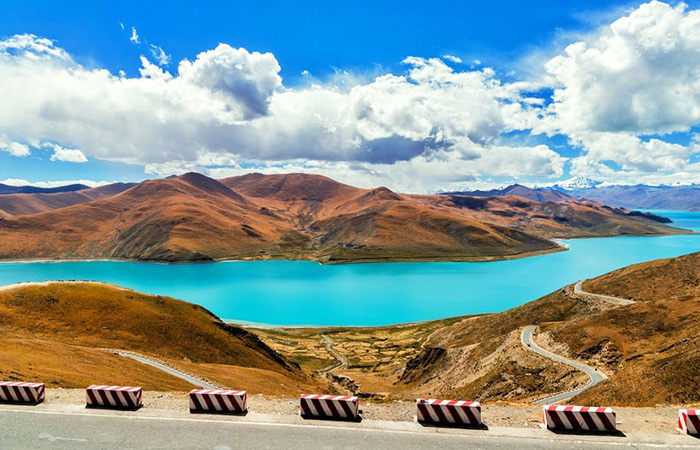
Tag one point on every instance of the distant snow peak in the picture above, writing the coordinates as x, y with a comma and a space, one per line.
578, 183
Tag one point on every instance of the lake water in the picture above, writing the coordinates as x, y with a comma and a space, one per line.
307, 293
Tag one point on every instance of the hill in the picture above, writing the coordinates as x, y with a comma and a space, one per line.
651, 348
7, 189
61, 333
32, 203
299, 216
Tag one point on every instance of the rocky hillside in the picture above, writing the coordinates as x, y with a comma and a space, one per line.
295, 216
19, 204
650, 348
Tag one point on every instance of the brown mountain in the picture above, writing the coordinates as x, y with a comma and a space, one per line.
32, 203
298, 216
651, 349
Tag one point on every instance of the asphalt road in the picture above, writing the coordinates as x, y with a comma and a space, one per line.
176, 373
595, 376
607, 298
29, 431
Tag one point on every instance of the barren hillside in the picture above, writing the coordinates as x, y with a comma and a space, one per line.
295, 216
60, 333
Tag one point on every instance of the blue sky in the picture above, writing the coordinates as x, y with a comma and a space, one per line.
479, 105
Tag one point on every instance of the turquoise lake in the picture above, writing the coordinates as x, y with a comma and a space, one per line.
307, 293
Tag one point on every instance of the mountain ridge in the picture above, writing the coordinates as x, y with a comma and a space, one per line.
192, 217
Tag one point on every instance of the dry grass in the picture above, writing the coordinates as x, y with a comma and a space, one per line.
63, 365
59, 332
651, 347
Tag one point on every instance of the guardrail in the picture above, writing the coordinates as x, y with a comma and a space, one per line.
578, 418
116, 397
218, 401
448, 412
337, 407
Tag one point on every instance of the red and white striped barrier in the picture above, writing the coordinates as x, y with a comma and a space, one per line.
125, 397
17, 392
448, 412
577, 418
330, 406
218, 401
689, 421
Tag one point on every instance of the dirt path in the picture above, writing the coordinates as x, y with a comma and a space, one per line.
342, 360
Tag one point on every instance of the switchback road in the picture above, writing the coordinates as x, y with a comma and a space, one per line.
594, 376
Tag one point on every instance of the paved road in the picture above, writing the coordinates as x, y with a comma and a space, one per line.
55, 431
595, 376
174, 372
606, 298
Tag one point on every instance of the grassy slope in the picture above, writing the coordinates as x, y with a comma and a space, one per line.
71, 324
477, 357
651, 348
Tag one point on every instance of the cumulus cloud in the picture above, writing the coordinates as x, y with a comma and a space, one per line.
228, 105
12, 147
620, 91
52, 184
454, 59
67, 154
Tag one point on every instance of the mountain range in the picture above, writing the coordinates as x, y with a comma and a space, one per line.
640, 196
7, 189
296, 216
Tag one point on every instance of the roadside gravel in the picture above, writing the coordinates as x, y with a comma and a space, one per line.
662, 418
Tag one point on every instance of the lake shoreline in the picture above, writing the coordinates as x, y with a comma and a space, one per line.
307, 294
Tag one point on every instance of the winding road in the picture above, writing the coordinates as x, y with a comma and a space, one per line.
594, 376
578, 290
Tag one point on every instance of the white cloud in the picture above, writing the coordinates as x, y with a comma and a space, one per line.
52, 184
67, 154
228, 105
12, 147
159, 55
134, 36
639, 75
454, 59
622, 89
121, 25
